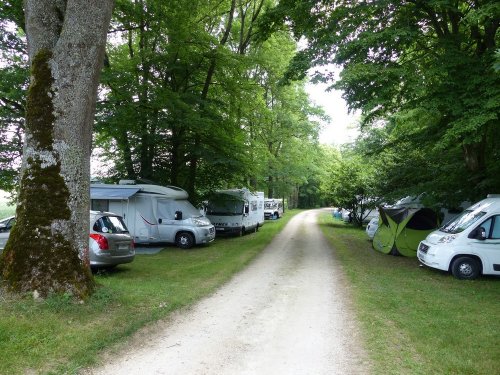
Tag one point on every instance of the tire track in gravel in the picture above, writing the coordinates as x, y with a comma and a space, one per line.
287, 313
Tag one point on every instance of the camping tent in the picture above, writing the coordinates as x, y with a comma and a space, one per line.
402, 228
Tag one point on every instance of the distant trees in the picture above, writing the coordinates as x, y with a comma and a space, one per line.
422, 73
191, 97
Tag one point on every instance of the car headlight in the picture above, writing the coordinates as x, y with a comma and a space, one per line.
200, 222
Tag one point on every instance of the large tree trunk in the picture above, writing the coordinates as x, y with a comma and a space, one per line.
47, 248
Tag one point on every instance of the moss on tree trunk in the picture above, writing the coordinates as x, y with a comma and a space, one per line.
38, 255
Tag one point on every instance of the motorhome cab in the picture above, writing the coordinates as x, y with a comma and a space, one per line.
273, 208
236, 211
468, 245
153, 213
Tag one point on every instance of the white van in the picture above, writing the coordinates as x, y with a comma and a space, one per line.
236, 211
469, 244
273, 208
153, 213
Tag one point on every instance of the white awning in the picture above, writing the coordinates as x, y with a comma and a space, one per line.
112, 193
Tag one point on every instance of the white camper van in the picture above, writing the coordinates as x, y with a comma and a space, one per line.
469, 244
273, 208
236, 211
153, 213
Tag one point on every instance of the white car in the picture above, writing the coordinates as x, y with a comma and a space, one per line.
468, 245
372, 227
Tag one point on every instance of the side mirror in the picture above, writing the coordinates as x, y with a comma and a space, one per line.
247, 209
478, 234
178, 215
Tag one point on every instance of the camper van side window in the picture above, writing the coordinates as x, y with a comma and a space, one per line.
99, 205
254, 205
166, 210
492, 227
495, 233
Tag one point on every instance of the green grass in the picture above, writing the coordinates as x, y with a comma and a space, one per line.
57, 336
418, 320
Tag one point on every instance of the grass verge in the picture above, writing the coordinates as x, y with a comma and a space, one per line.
57, 336
418, 320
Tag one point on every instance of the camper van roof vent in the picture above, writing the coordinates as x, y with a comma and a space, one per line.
493, 196
126, 182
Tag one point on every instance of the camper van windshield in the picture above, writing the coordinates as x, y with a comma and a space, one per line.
270, 205
463, 221
225, 208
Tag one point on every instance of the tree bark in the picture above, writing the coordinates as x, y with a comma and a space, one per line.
47, 250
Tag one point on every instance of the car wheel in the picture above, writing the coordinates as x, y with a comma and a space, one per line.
184, 240
465, 268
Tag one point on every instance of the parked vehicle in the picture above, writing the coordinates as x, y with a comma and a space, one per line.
372, 227
153, 213
260, 198
236, 211
5, 227
348, 216
469, 244
273, 208
110, 242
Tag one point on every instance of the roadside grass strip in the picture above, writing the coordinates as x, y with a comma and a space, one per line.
59, 336
418, 320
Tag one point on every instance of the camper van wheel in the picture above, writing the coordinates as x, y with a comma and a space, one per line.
184, 240
465, 268
275, 216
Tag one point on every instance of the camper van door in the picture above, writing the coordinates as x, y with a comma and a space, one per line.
165, 214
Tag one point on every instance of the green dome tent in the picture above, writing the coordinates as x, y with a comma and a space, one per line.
400, 230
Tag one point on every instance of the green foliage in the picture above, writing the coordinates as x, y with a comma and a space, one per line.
13, 84
351, 183
190, 104
421, 69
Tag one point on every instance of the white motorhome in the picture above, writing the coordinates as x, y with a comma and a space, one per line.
273, 208
469, 244
236, 211
153, 213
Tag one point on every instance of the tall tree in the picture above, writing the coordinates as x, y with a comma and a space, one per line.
47, 248
412, 59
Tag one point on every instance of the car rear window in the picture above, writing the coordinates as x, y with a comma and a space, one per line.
113, 224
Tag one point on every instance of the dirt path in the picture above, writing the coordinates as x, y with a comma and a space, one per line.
287, 313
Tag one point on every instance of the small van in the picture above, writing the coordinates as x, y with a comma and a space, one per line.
273, 209
236, 211
469, 244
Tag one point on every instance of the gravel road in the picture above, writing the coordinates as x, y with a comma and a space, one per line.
287, 313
